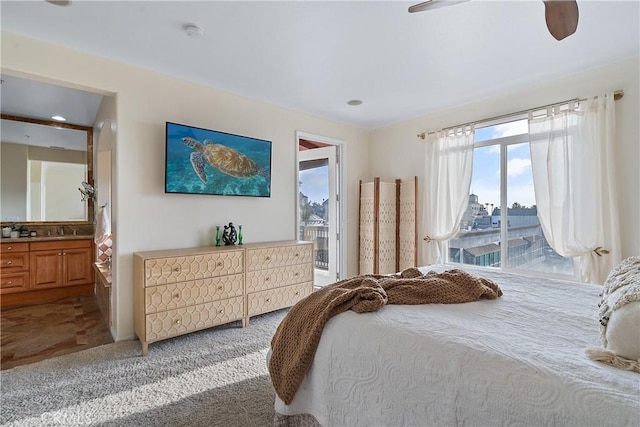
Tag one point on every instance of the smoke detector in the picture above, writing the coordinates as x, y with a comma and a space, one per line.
59, 3
193, 30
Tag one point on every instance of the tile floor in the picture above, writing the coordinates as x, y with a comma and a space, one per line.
32, 333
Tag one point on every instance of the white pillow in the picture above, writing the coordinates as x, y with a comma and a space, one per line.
620, 317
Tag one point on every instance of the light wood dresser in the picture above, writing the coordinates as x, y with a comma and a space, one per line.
278, 275
184, 290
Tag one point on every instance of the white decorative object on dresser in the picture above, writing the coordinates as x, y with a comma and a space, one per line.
278, 275
184, 290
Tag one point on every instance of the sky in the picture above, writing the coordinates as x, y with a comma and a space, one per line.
315, 183
485, 181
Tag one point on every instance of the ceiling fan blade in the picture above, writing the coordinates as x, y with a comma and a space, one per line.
433, 4
561, 17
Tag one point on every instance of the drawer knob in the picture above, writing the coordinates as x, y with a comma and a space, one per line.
176, 269
10, 282
268, 299
266, 279
177, 322
267, 258
297, 254
9, 262
59, 253
297, 293
219, 264
220, 288
176, 296
221, 311
9, 248
296, 274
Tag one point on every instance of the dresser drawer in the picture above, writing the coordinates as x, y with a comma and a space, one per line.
263, 258
275, 299
5, 248
180, 321
162, 271
15, 261
14, 282
176, 295
261, 280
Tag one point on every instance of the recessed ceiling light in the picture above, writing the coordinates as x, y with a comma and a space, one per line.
59, 118
354, 102
193, 30
59, 2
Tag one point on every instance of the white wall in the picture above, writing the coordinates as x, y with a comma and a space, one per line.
145, 217
397, 152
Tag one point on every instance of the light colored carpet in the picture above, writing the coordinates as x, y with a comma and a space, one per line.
216, 377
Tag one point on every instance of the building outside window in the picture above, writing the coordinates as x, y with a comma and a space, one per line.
502, 176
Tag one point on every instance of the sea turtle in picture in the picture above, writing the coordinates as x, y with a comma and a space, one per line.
225, 159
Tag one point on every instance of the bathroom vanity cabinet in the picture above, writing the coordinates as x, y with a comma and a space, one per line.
35, 271
15, 267
61, 263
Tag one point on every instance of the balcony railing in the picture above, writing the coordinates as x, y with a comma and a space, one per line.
319, 235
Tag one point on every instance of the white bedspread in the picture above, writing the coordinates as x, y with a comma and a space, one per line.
517, 360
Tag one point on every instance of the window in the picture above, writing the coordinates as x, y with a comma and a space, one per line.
510, 238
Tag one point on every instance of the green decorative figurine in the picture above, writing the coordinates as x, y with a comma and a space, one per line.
217, 235
239, 234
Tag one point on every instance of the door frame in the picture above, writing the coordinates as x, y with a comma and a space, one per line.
329, 153
341, 227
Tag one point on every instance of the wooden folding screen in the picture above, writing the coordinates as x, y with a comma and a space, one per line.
388, 226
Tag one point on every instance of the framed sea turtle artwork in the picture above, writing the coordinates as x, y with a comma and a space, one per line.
202, 161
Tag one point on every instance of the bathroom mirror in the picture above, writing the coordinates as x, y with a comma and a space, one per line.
43, 165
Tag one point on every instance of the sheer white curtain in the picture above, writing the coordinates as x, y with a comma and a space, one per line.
448, 167
574, 183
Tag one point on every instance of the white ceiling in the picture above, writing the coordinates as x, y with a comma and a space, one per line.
43, 136
37, 100
314, 56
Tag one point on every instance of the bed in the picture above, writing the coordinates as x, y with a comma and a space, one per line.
516, 360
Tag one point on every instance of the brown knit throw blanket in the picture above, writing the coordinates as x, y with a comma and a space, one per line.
294, 344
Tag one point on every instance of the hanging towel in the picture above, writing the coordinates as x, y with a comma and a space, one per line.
103, 226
